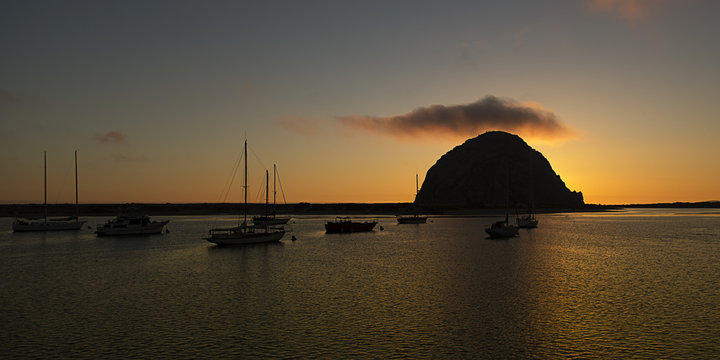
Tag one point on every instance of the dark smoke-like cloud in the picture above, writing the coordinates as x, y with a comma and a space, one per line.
462, 121
111, 137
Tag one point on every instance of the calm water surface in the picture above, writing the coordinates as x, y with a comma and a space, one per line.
635, 284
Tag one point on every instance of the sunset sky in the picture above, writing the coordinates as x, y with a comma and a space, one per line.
352, 98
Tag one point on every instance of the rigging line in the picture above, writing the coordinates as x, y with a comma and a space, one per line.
228, 184
280, 183
232, 178
257, 157
260, 193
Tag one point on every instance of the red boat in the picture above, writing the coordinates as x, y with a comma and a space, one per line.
345, 225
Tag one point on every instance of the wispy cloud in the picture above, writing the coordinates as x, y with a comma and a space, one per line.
115, 137
461, 121
631, 10
130, 158
9, 98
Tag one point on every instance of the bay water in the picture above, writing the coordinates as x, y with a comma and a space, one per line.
640, 283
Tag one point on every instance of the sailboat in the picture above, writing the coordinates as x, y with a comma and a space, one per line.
270, 218
503, 229
527, 221
53, 224
415, 218
244, 233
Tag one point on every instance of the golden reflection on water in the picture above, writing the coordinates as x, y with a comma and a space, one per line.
621, 287
581, 285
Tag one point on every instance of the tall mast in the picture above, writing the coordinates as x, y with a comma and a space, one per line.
77, 205
267, 188
45, 182
274, 191
417, 211
416, 185
507, 196
245, 186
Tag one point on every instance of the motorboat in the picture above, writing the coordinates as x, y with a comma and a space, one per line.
138, 224
347, 225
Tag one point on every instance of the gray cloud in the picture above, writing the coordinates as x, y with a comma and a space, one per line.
488, 113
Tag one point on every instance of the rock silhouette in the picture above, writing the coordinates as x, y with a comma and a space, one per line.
487, 170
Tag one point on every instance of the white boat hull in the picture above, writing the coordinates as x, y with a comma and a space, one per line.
244, 238
52, 225
261, 221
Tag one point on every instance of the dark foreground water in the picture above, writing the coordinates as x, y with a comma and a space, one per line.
639, 284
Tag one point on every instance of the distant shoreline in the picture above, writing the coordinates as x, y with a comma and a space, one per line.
303, 208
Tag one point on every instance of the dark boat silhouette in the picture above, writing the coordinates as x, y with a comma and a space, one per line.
346, 225
415, 218
270, 218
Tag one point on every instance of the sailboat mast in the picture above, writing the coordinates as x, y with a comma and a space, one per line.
77, 206
267, 189
245, 185
45, 183
507, 196
274, 190
416, 185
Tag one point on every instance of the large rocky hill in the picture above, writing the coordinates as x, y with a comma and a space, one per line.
488, 170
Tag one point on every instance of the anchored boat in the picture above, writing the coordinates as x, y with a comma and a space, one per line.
54, 224
137, 224
347, 225
245, 234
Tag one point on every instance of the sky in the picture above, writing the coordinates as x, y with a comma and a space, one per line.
351, 99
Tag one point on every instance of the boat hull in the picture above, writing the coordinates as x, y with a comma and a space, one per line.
349, 226
502, 229
244, 238
25, 226
156, 227
527, 222
269, 221
412, 219
501, 234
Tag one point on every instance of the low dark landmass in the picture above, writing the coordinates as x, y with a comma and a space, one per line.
168, 209
37, 210
677, 205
